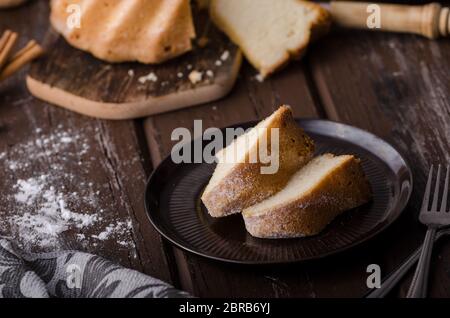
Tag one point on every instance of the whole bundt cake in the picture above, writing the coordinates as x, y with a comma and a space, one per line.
147, 31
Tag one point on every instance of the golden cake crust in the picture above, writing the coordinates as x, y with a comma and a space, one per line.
147, 31
343, 189
244, 185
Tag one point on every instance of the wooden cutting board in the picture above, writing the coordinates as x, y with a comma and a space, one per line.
75, 80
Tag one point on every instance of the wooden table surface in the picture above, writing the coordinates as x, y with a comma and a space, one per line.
396, 86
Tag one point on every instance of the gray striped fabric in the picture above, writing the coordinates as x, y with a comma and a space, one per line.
71, 274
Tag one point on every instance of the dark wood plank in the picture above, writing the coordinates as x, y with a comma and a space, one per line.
396, 86
95, 167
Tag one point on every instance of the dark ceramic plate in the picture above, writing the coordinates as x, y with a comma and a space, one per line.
173, 204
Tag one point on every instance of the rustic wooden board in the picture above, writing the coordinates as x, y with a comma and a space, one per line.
85, 156
76, 80
398, 88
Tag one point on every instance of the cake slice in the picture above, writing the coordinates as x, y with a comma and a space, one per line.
240, 182
270, 32
313, 197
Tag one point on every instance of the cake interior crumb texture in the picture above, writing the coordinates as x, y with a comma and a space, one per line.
269, 32
238, 150
303, 182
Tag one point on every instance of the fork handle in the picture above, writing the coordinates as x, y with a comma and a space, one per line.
391, 281
419, 284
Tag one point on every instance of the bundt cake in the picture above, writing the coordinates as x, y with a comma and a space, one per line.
148, 31
10, 3
313, 197
240, 182
270, 32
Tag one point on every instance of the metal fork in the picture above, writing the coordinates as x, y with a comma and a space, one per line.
394, 277
434, 219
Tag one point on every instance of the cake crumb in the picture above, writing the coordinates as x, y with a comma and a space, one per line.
259, 78
225, 56
195, 77
180, 75
210, 73
149, 77
189, 66
130, 73
218, 63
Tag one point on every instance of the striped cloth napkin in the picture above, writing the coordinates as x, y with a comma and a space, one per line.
72, 274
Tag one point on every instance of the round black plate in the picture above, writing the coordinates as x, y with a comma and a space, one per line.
173, 204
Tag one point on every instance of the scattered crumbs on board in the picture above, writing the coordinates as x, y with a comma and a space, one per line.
209, 73
131, 73
39, 209
151, 77
218, 63
225, 55
259, 78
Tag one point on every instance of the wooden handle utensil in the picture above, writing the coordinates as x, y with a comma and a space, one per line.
430, 20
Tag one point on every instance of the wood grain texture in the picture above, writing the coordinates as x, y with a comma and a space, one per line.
100, 168
76, 80
398, 88
395, 86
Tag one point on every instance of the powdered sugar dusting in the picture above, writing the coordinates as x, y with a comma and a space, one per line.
46, 145
27, 190
113, 229
41, 210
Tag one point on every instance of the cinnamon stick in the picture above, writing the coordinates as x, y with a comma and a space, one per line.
7, 43
3, 39
31, 51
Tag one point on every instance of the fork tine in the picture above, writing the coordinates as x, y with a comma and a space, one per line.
426, 196
444, 196
436, 190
